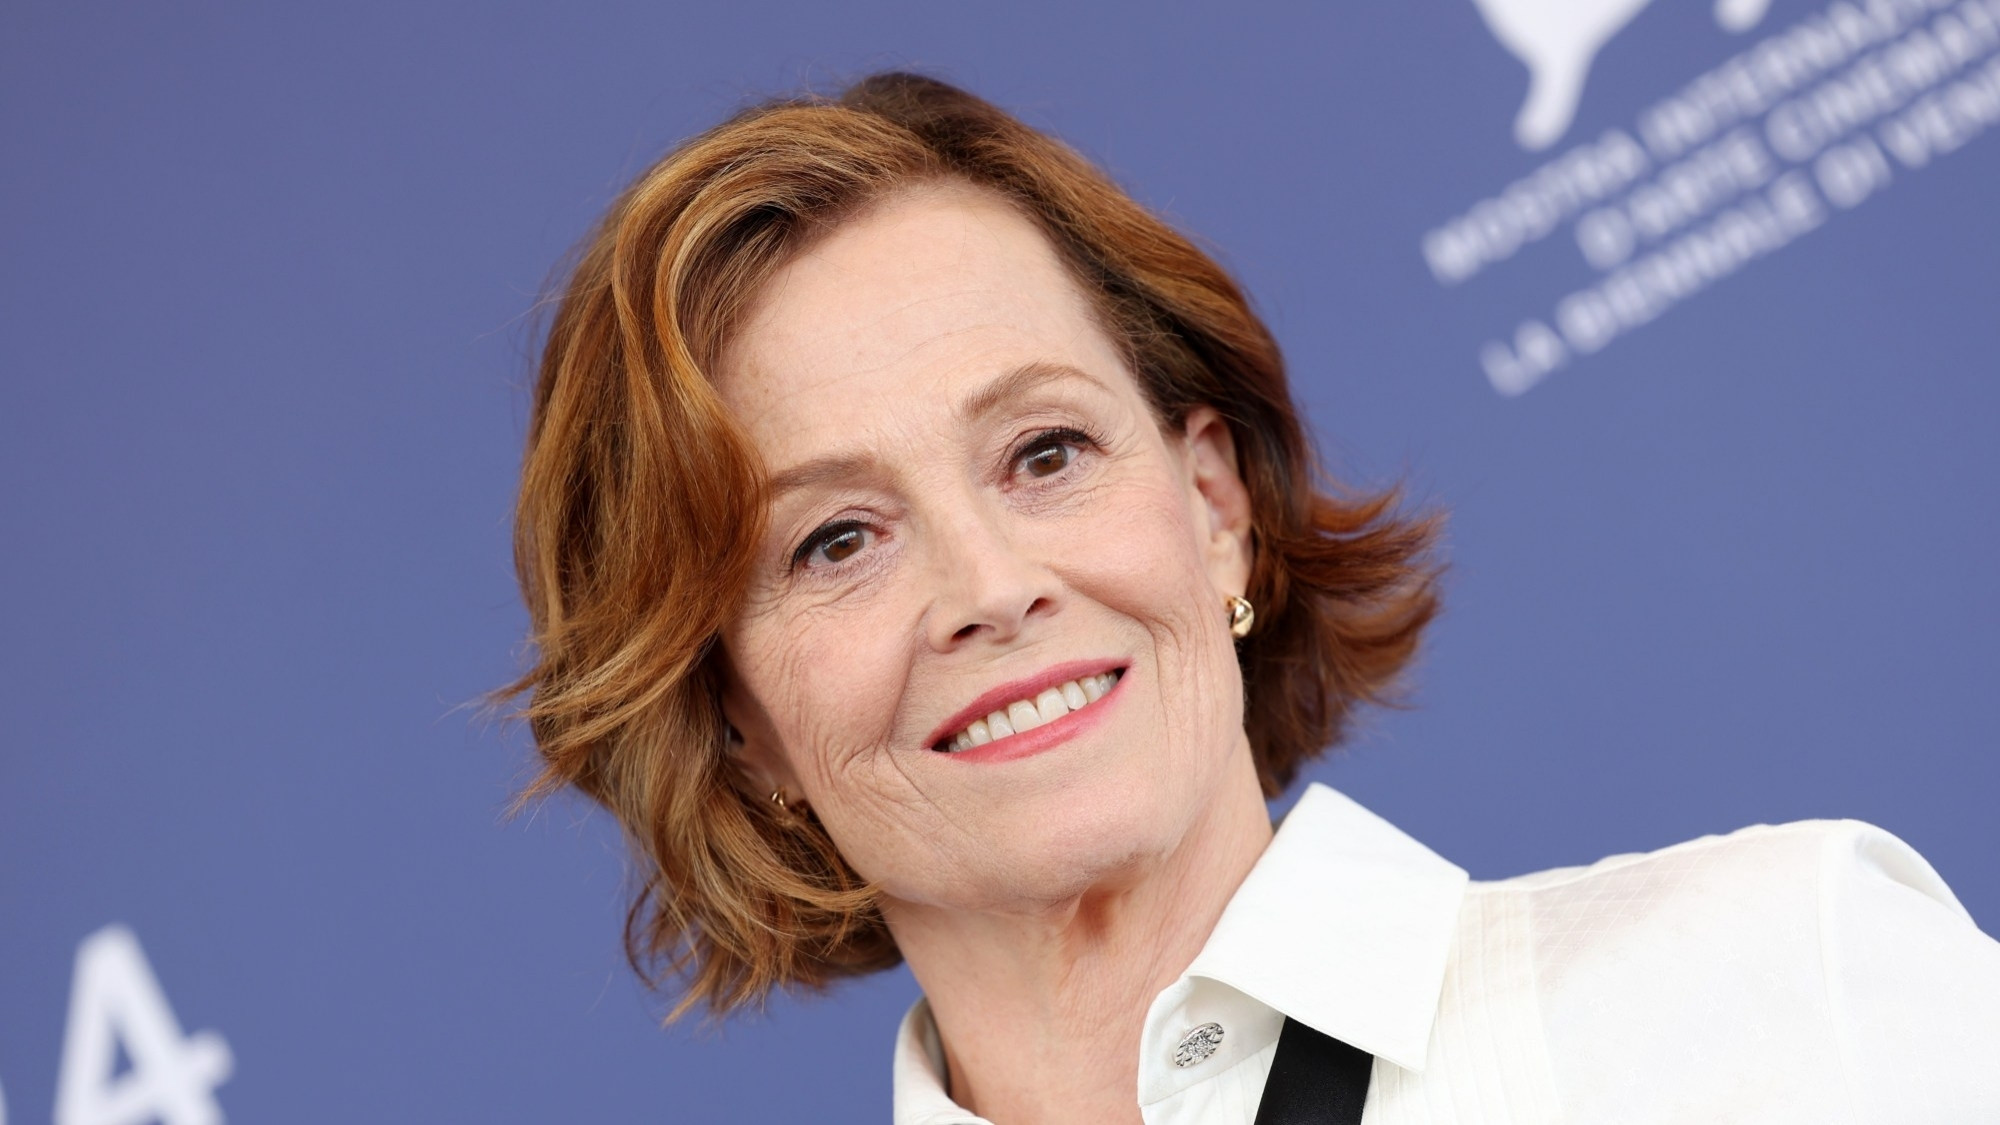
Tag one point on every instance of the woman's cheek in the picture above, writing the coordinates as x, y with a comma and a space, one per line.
1139, 541
1152, 569
843, 680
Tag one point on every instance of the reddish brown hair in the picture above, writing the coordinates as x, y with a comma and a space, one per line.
641, 503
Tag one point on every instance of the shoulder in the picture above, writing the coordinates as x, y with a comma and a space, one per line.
1822, 965
1754, 873
1766, 909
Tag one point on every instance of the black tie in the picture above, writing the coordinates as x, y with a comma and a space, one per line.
1315, 1080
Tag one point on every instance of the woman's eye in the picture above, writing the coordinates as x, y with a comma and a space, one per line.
1050, 453
1047, 461
835, 543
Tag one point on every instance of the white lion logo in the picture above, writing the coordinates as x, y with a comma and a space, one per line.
1559, 38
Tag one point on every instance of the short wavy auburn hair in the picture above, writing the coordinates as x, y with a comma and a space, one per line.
641, 503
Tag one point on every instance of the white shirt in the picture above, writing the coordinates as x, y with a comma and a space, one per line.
1814, 972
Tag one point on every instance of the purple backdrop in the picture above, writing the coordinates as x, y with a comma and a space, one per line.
1699, 354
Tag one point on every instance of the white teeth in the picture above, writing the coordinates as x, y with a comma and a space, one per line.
1023, 715
1027, 714
998, 724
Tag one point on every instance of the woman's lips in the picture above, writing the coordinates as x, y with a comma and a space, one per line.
1024, 715
1030, 715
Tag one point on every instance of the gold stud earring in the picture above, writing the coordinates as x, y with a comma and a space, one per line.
778, 799
1242, 615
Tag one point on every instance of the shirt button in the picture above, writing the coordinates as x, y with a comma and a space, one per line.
1198, 1044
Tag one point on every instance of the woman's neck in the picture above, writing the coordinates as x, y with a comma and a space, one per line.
1041, 1011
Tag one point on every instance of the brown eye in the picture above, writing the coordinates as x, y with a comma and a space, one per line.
841, 546
1048, 460
833, 544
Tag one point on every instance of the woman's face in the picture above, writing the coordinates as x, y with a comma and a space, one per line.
974, 511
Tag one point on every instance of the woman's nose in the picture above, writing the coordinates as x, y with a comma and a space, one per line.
990, 583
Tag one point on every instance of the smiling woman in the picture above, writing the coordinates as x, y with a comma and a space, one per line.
668, 434
1005, 534
926, 562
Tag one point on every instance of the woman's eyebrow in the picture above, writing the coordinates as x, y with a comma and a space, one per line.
1017, 382
1003, 389
819, 470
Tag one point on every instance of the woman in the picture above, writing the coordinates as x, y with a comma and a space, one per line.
926, 563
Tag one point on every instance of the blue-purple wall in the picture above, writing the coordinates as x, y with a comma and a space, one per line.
267, 278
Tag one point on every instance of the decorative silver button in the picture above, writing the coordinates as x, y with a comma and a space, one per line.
1198, 1044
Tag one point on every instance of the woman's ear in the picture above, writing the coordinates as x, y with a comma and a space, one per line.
753, 748
1223, 515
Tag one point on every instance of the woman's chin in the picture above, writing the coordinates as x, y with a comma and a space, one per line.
1049, 861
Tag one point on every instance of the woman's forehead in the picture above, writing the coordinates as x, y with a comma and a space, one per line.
917, 295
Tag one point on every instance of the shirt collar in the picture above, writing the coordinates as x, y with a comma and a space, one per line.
920, 1098
1344, 925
